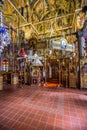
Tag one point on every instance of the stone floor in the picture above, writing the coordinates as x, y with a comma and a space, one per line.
39, 108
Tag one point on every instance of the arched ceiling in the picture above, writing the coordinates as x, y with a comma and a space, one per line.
43, 18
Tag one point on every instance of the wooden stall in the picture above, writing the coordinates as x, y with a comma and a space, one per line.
83, 76
35, 76
72, 75
1, 82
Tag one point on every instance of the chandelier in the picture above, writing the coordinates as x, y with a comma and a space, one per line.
5, 37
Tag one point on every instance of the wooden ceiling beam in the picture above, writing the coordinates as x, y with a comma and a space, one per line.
55, 18
33, 25
63, 28
47, 20
16, 10
27, 24
21, 15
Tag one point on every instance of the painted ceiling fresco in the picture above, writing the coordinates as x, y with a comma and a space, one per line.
45, 18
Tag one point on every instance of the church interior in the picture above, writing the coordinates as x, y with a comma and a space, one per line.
43, 64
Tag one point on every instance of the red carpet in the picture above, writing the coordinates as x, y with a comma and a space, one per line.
51, 85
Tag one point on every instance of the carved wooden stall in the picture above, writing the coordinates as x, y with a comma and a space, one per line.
83, 76
72, 75
35, 76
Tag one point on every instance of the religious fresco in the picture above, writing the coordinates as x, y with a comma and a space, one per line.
44, 16
80, 20
52, 7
